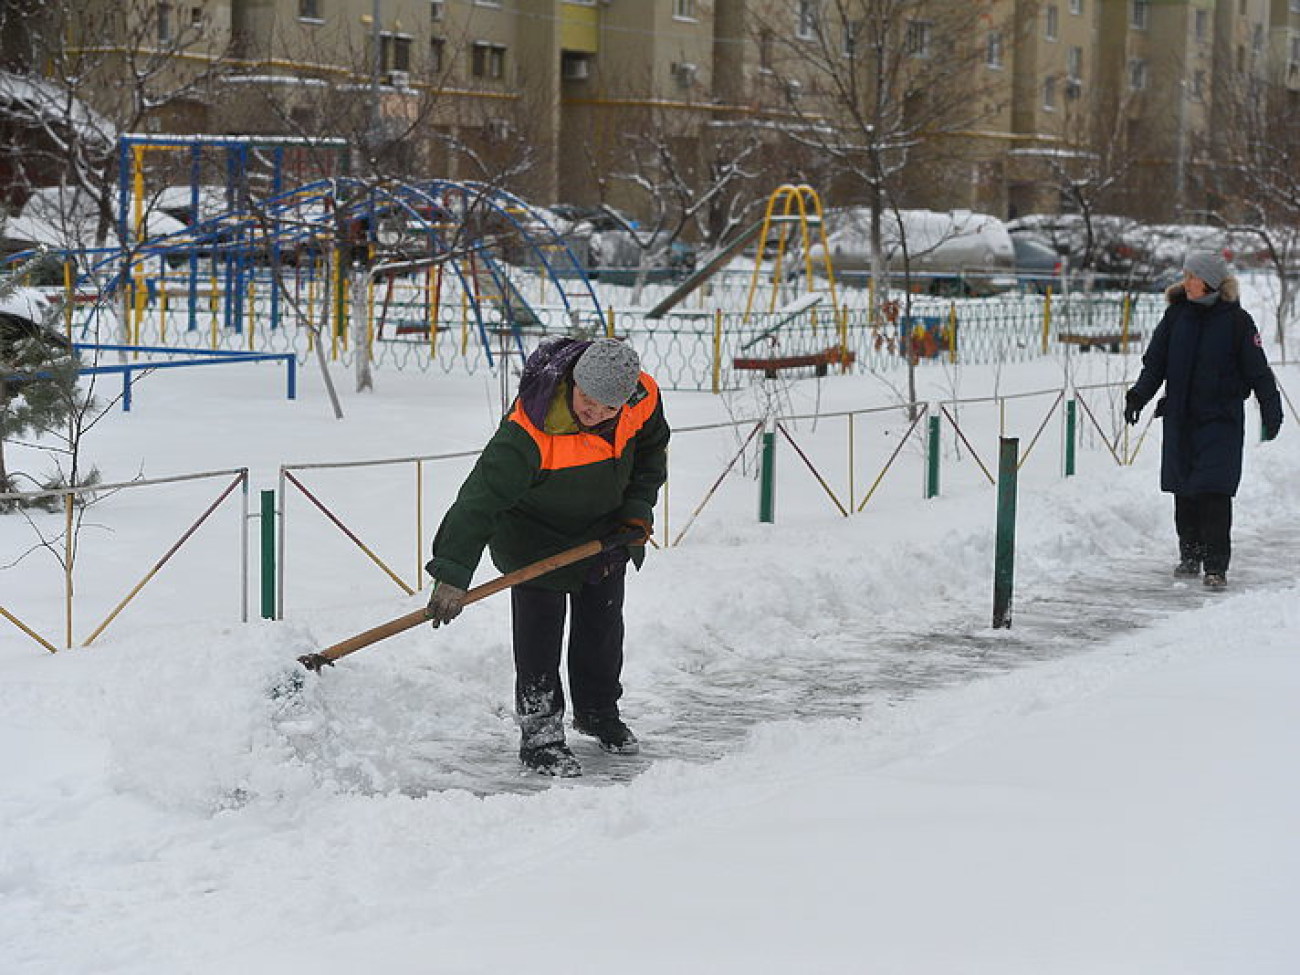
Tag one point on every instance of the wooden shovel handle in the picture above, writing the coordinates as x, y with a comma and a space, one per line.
315, 661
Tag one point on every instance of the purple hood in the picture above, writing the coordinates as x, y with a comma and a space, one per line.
549, 365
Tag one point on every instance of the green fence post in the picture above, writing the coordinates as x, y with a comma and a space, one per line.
767, 480
1005, 547
932, 456
1071, 413
268, 555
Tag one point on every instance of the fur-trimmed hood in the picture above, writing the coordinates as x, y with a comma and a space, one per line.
1230, 290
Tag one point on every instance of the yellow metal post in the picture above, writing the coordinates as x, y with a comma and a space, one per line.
432, 297
212, 304
67, 296
717, 350
67, 567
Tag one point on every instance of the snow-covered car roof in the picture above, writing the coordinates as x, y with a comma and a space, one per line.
41, 97
23, 302
941, 241
65, 218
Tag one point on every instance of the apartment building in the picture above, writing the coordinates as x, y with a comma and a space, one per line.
551, 94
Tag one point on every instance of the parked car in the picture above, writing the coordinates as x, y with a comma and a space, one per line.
612, 245
1038, 265
1102, 244
954, 253
65, 218
927, 241
1159, 250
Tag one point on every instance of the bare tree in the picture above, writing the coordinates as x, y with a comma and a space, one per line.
872, 83
874, 86
1258, 181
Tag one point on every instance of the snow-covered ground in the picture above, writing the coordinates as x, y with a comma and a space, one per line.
846, 769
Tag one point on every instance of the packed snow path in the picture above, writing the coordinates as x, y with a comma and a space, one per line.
378, 734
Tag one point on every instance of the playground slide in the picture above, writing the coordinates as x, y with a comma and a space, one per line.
515, 306
710, 268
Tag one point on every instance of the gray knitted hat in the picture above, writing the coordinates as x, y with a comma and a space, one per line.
608, 372
1209, 266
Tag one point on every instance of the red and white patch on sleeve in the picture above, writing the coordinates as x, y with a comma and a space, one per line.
1259, 341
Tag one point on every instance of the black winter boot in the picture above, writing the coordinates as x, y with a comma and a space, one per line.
608, 729
1189, 559
550, 759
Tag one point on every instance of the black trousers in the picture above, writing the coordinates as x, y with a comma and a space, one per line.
1204, 525
595, 653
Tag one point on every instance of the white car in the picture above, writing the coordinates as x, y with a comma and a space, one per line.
925, 241
63, 218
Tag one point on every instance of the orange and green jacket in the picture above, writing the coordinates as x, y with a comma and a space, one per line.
542, 485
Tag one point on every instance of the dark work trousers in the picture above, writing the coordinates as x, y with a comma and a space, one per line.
595, 653
1204, 525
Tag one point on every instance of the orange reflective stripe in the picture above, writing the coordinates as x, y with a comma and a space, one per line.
563, 450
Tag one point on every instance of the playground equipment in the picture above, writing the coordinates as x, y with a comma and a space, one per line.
285, 254
801, 207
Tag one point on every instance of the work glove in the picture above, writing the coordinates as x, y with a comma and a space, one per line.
1271, 430
637, 525
445, 603
1132, 409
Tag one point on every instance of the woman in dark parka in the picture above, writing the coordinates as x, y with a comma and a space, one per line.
1207, 353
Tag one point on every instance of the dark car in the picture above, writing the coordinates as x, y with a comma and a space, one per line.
613, 244
1038, 265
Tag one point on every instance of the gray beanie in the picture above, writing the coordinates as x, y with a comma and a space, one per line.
608, 372
1209, 266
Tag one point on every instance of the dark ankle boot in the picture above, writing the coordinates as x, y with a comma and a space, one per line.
1189, 559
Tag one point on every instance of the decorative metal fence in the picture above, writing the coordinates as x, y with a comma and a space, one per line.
718, 339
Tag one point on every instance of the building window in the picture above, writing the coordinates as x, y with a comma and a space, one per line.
805, 25
1051, 22
852, 31
1049, 94
684, 9
765, 41
395, 52
1137, 74
1257, 43
993, 49
164, 23
1198, 86
1139, 14
437, 55
1076, 6
1074, 63
437, 11
1202, 21
310, 10
488, 61
196, 18
917, 40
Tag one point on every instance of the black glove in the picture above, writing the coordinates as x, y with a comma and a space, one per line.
637, 525
1271, 430
1132, 409
445, 603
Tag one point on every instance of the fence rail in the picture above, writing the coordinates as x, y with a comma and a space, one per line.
973, 421
71, 541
